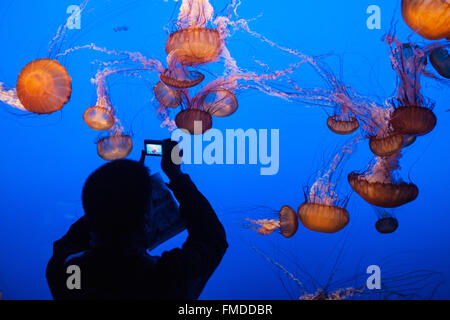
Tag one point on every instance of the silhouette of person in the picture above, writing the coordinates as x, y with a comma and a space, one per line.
108, 244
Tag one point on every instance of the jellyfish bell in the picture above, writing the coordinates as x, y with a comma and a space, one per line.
288, 221
181, 78
195, 46
219, 102
98, 118
167, 96
411, 116
386, 225
413, 120
323, 218
387, 145
383, 141
342, 125
195, 121
440, 59
386, 222
324, 208
383, 194
114, 147
283, 221
429, 18
44, 86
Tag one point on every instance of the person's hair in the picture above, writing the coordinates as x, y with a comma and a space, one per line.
116, 198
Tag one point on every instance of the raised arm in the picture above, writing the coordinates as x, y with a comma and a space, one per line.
189, 268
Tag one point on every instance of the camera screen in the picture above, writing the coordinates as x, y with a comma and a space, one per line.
153, 149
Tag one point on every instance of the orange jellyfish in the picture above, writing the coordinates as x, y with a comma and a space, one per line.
342, 125
286, 224
440, 59
98, 118
383, 194
195, 121
44, 86
346, 108
323, 218
219, 102
180, 78
413, 115
387, 145
288, 221
102, 115
323, 209
115, 146
429, 18
194, 44
343, 121
168, 97
380, 187
413, 120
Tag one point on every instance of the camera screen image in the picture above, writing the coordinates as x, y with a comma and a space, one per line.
153, 149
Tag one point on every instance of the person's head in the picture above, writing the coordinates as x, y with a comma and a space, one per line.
117, 200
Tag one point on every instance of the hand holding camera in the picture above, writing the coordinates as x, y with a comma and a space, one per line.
169, 151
